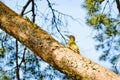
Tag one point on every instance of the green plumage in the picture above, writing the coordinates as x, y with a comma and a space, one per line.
71, 43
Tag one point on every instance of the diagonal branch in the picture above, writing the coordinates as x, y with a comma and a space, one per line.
24, 7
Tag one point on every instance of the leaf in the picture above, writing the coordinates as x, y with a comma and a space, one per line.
89, 1
93, 20
106, 21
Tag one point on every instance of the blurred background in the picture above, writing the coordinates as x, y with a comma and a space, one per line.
94, 23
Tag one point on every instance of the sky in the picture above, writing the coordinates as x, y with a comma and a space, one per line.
83, 33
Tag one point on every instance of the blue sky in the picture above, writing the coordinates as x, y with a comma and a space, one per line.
80, 30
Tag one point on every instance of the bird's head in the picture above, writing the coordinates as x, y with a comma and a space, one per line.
71, 37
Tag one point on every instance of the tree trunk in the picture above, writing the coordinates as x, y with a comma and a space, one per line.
50, 50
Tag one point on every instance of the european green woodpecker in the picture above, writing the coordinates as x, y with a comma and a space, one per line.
71, 43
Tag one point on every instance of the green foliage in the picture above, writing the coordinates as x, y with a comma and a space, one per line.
106, 24
98, 19
3, 76
92, 6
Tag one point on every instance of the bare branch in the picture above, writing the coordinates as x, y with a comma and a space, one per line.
54, 20
33, 11
23, 57
118, 5
17, 65
24, 8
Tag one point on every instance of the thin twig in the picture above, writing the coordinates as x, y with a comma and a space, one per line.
105, 6
54, 20
23, 57
24, 7
33, 11
17, 65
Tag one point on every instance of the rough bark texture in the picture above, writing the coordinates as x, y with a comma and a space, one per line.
58, 56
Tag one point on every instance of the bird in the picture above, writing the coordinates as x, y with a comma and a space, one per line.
71, 44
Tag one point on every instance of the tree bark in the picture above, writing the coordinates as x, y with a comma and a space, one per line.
50, 50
